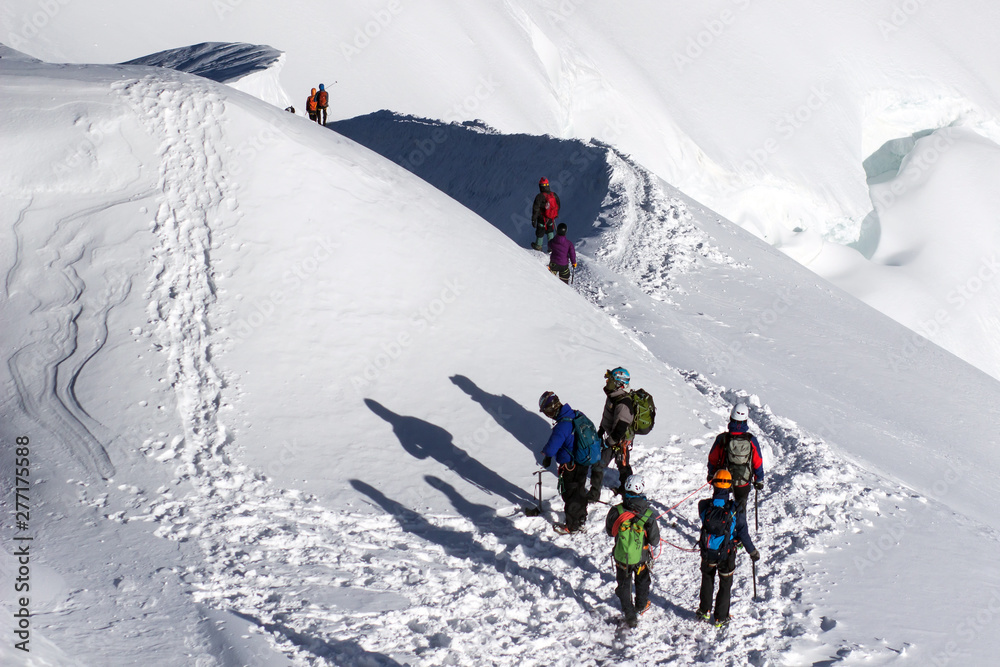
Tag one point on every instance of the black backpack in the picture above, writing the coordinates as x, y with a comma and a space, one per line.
739, 457
716, 532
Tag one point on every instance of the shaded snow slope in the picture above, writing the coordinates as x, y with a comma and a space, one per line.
250, 68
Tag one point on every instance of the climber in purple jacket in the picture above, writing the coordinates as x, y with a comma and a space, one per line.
562, 254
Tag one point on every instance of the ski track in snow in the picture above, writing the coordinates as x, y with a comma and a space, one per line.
396, 586
69, 319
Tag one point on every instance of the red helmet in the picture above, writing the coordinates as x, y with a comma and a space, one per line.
543, 181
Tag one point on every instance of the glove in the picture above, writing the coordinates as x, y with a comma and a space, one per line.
755, 555
574, 266
758, 485
547, 461
600, 434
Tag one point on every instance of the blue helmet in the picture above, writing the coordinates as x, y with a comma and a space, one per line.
321, 87
549, 402
619, 376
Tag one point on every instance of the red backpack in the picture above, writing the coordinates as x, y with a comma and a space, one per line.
551, 207
322, 98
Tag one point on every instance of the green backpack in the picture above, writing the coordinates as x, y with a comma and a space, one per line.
643, 410
630, 535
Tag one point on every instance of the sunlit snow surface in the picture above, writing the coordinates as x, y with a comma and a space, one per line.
281, 399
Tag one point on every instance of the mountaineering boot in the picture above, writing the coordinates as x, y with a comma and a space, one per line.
704, 615
631, 620
723, 623
566, 530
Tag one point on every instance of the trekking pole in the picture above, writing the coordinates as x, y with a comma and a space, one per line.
756, 523
754, 564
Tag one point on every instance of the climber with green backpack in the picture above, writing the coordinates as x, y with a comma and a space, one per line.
626, 414
576, 447
633, 525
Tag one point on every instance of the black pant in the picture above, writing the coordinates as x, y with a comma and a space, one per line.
561, 271
740, 495
321, 115
725, 571
625, 574
574, 493
621, 457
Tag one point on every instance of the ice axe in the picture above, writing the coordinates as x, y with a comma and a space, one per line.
537, 510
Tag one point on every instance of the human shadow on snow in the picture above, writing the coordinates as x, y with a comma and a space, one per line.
423, 440
526, 426
487, 520
463, 545
336, 652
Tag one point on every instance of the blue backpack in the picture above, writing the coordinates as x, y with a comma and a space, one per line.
716, 532
586, 444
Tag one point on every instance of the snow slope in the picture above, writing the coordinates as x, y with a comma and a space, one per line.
281, 400
764, 112
248, 67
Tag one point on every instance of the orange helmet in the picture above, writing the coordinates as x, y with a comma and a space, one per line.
313, 91
722, 479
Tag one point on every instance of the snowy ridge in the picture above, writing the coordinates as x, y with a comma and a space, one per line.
608, 199
251, 68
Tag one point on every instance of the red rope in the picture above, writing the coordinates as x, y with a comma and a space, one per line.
660, 552
685, 498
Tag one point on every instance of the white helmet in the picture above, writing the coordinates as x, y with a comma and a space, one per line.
635, 484
740, 413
